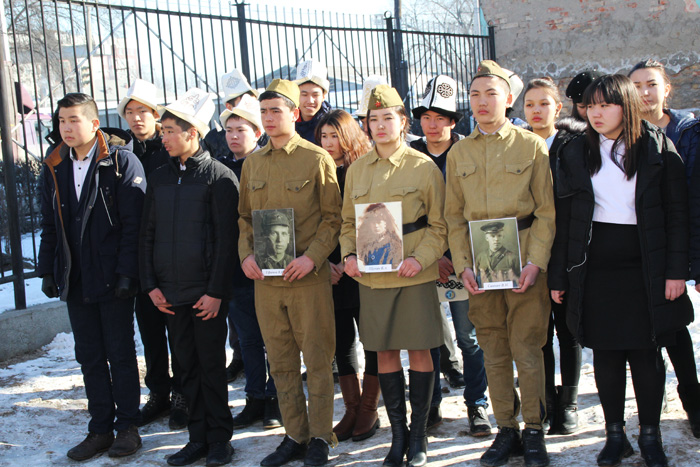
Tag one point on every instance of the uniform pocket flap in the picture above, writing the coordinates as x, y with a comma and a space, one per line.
256, 184
518, 167
402, 190
296, 185
464, 170
359, 192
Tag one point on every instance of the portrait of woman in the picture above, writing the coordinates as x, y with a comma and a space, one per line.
378, 241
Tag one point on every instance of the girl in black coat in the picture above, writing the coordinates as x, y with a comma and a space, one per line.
542, 105
621, 256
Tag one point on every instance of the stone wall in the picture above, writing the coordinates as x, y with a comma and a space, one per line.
559, 39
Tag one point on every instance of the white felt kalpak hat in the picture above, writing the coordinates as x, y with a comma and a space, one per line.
196, 107
248, 108
516, 85
141, 91
234, 84
370, 83
441, 97
314, 71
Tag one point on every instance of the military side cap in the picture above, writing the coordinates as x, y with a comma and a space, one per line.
491, 68
287, 88
383, 97
578, 85
492, 227
275, 218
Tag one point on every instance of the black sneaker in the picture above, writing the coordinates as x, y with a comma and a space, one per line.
253, 411
434, 417
479, 424
454, 378
179, 413
92, 445
287, 451
219, 454
534, 448
272, 418
316, 453
234, 370
157, 406
126, 443
190, 454
506, 444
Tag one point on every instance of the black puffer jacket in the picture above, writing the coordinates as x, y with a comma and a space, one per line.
151, 152
662, 221
190, 230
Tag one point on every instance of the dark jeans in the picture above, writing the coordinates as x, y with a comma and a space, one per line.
241, 312
648, 379
472, 355
346, 345
153, 325
200, 347
104, 347
569, 351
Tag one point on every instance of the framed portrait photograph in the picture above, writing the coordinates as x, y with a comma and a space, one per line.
273, 235
496, 253
379, 240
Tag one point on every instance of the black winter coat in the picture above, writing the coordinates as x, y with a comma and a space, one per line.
189, 231
109, 224
151, 152
662, 221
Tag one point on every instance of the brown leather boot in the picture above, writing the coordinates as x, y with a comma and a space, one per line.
367, 417
350, 387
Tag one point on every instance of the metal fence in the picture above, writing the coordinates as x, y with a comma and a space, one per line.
99, 47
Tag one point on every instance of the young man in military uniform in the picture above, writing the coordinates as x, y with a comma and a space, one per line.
295, 311
438, 116
138, 108
499, 171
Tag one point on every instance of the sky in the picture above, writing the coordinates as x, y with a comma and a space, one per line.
365, 7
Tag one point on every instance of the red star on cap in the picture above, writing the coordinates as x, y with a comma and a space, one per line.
377, 104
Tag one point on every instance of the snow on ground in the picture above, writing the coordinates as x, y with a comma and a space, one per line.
43, 413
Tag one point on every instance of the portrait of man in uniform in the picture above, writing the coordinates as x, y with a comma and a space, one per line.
496, 266
274, 239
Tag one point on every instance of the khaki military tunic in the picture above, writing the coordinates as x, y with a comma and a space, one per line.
297, 317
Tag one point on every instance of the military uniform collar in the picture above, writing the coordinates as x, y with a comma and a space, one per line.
289, 148
502, 132
395, 158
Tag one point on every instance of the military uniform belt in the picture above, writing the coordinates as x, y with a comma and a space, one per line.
420, 223
526, 222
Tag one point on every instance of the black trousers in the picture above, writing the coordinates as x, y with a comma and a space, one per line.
569, 350
104, 347
200, 348
346, 346
683, 358
648, 378
153, 326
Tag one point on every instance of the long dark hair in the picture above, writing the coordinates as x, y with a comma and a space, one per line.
618, 90
651, 63
353, 141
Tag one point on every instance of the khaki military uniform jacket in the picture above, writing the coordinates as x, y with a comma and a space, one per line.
505, 174
300, 176
412, 178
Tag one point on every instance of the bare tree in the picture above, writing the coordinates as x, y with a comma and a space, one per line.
459, 16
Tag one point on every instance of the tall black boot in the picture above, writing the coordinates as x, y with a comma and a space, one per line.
567, 406
549, 425
690, 398
420, 391
393, 387
651, 447
617, 446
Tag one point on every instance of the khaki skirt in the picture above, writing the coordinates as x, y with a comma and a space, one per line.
400, 318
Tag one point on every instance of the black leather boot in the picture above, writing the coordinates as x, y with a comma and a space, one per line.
566, 418
393, 388
651, 447
549, 424
420, 391
617, 446
690, 398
